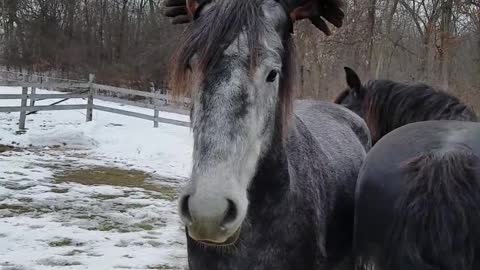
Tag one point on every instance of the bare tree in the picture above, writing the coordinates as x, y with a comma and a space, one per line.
445, 31
129, 43
385, 40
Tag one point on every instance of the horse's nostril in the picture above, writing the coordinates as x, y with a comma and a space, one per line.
231, 214
185, 209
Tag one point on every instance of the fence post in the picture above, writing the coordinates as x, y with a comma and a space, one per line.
155, 108
23, 113
91, 79
32, 99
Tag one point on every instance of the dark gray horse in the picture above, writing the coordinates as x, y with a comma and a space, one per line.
269, 189
386, 105
418, 199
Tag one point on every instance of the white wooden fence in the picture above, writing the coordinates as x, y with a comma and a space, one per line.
86, 90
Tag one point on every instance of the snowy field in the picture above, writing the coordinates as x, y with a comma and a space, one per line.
98, 195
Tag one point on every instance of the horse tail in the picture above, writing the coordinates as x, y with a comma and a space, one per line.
436, 220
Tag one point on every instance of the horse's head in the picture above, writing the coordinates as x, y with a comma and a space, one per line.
354, 96
236, 62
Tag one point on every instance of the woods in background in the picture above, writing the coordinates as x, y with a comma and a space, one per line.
129, 42
125, 42
432, 41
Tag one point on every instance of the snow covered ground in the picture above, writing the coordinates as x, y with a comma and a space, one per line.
98, 195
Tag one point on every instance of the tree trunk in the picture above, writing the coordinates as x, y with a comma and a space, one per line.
379, 71
153, 20
445, 29
70, 9
371, 33
121, 30
425, 66
11, 47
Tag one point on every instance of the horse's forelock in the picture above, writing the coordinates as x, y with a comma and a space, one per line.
209, 36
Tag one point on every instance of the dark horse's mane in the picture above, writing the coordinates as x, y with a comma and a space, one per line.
207, 39
389, 105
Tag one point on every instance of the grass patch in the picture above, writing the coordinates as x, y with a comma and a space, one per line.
25, 199
86, 216
107, 197
168, 193
134, 206
6, 148
15, 186
57, 262
162, 267
107, 226
61, 243
12, 210
116, 177
103, 176
146, 227
15, 173
74, 252
59, 190
17, 209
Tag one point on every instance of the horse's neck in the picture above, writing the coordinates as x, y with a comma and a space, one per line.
276, 170
272, 177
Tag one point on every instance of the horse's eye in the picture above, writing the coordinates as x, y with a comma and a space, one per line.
272, 76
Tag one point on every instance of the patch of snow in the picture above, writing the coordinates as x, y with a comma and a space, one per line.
51, 224
121, 139
60, 137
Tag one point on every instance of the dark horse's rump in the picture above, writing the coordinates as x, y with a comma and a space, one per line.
386, 105
420, 208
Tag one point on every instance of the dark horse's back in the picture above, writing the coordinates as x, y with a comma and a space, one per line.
418, 199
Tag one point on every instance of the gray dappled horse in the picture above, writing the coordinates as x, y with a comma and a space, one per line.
271, 187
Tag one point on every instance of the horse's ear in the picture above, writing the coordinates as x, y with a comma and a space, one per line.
181, 11
353, 80
317, 11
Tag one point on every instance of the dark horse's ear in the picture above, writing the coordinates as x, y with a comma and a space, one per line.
353, 80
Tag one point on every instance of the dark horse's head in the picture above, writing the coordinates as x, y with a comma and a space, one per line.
354, 96
386, 105
236, 61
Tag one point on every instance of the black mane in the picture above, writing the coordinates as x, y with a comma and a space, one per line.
389, 105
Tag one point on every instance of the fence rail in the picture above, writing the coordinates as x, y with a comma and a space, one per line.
42, 96
141, 116
45, 85
89, 91
43, 108
167, 98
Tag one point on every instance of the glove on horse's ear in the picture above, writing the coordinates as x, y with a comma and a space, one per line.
182, 11
317, 11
